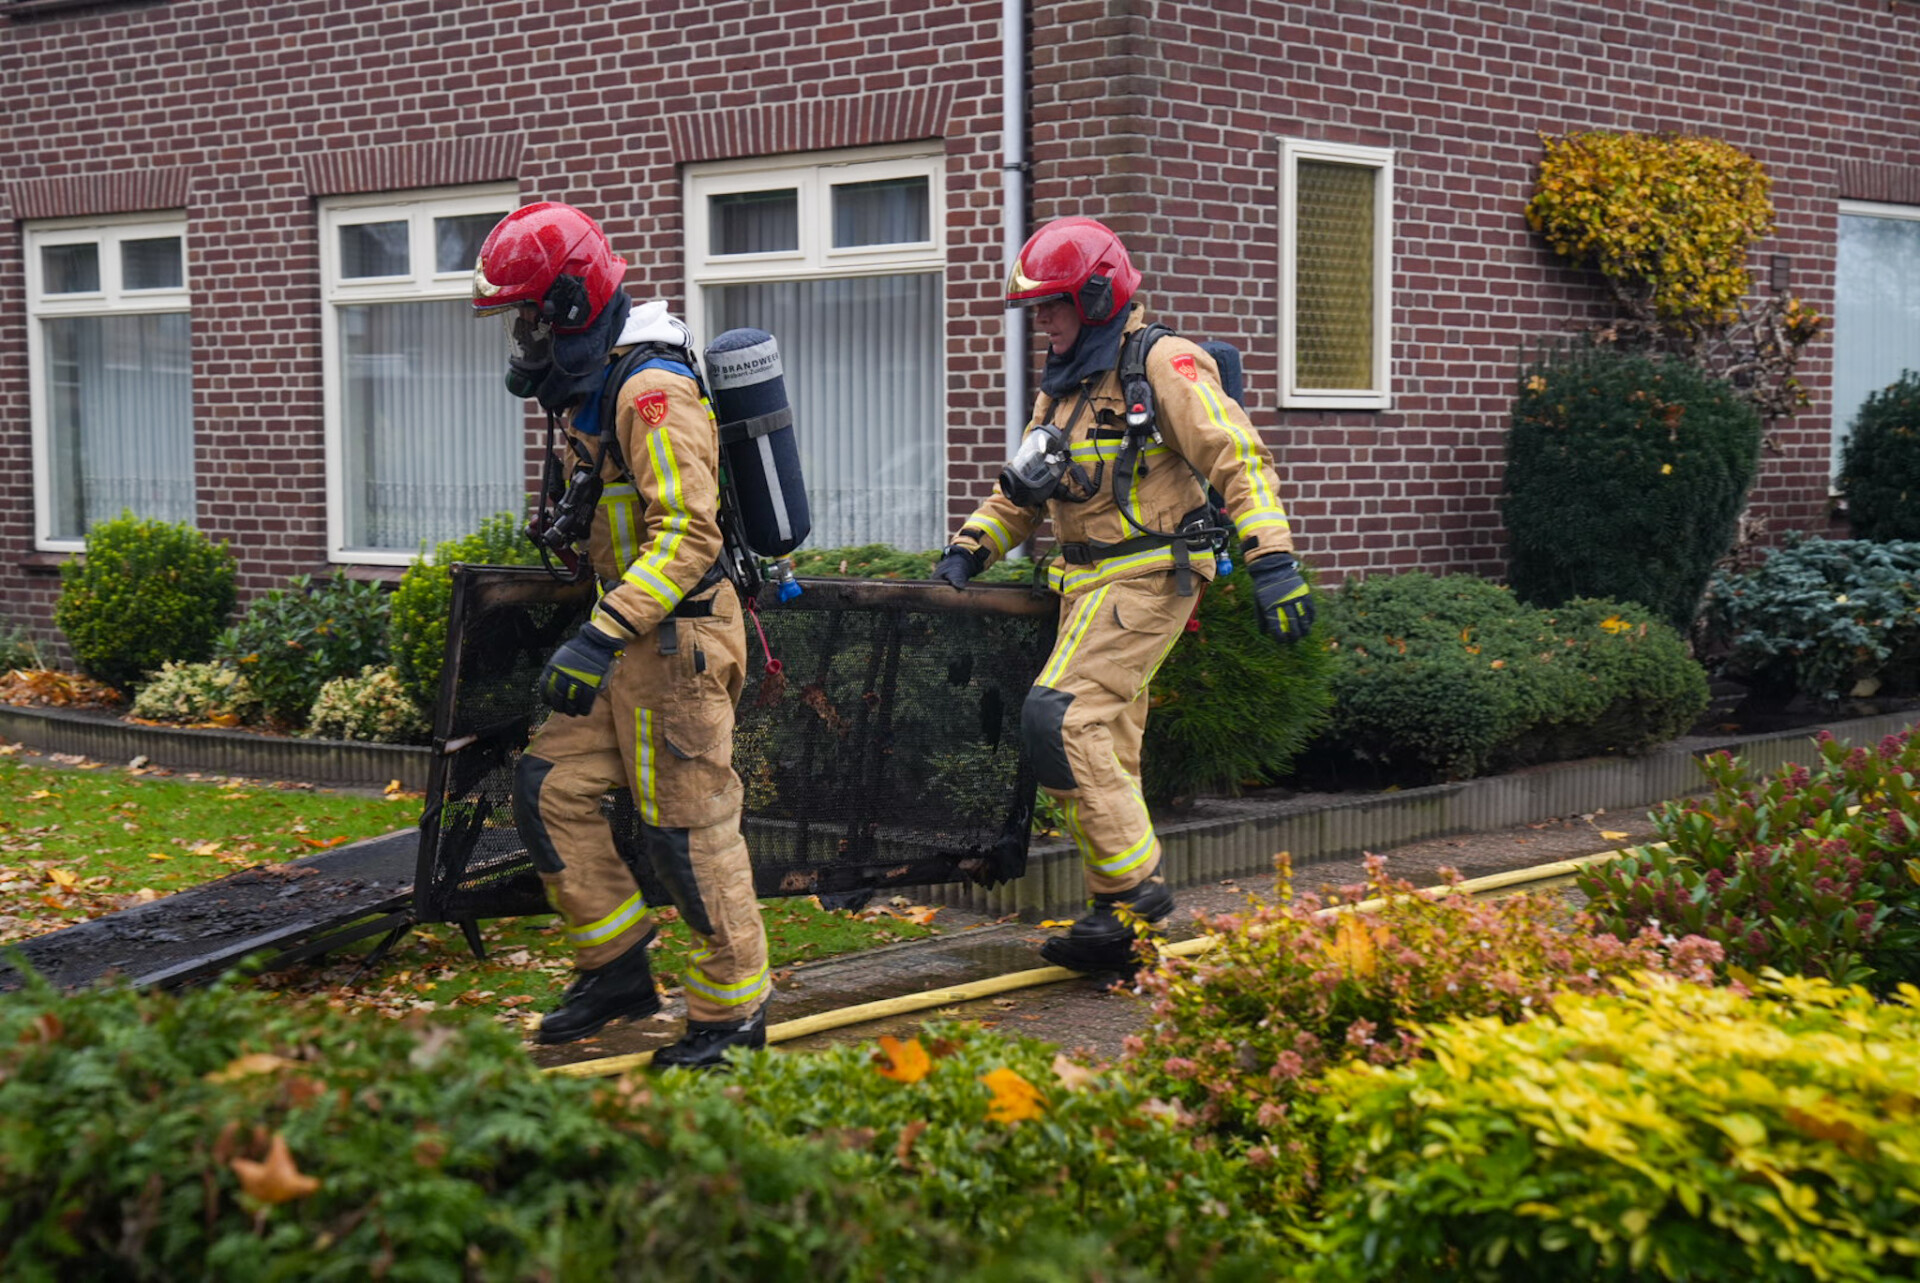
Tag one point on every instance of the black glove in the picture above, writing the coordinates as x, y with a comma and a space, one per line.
960, 564
571, 680
1286, 603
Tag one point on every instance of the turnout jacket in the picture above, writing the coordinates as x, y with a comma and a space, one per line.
655, 538
1199, 426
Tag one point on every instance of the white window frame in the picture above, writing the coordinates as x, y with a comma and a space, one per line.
111, 299
419, 208
1381, 160
1836, 426
813, 175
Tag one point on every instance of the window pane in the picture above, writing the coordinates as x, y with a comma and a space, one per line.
754, 222
432, 445
457, 240
374, 249
892, 211
151, 264
1333, 276
873, 446
70, 269
1876, 313
119, 419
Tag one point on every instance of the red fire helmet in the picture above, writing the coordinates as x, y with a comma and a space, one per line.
550, 255
1074, 258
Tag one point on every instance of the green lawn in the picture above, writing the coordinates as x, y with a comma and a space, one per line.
80, 839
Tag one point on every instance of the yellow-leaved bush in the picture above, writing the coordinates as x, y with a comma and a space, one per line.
1667, 219
1663, 1131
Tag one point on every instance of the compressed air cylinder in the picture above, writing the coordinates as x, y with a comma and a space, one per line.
756, 437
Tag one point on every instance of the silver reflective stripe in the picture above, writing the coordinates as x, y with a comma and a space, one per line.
774, 492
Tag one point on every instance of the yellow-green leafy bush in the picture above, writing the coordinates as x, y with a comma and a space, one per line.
1664, 1132
372, 706
210, 692
1880, 473
1667, 219
1241, 1033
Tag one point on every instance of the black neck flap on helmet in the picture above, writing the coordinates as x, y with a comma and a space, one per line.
577, 361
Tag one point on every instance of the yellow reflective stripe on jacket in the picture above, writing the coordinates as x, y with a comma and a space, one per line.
619, 502
631, 910
725, 995
998, 537
645, 573
1076, 632
646, 786
1266, 512
1066, 580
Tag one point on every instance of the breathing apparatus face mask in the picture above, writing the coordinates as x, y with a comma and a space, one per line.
529, 352
1037, 467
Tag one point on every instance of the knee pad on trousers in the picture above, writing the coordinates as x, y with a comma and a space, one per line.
671, 855
1041, 719
529, 775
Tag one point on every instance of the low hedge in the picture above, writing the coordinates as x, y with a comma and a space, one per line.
1666, 1131
219, 1134
1451, 677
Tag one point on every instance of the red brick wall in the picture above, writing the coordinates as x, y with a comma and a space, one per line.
1162, 117
1203, 92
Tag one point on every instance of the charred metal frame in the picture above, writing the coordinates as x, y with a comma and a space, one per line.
471, 865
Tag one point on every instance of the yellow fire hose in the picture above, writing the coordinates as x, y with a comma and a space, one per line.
861, 1013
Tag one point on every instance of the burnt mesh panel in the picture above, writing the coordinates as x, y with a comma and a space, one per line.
885, 753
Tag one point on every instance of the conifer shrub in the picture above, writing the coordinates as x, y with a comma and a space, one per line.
417, 622
1809, 870
1625, 478
292, 641
370, 706
146, 592
1825, 618
1663, 1131
1451, 677
1241, 1033
1880, 468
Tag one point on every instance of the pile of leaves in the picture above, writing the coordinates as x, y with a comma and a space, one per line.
50, 688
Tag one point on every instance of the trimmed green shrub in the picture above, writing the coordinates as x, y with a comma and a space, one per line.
1241, 1032
1007, 1136
417, 620
1810, 871
146, 592
1880, 468
295, 639
1667, 1131
372, 706
1823, 617
881, 561
197, 693
1452, 677
1625, 478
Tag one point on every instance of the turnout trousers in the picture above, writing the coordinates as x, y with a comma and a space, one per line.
662, 727
1086, 713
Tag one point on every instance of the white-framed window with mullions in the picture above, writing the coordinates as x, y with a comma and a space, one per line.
111, 373
1876, 307
423, 441
1336, 276
841, 256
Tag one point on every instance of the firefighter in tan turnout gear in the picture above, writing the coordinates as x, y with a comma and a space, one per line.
644, 694
1129, 503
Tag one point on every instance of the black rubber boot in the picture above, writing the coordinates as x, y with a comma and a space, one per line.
1100, 942
706, 1043
621, 989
